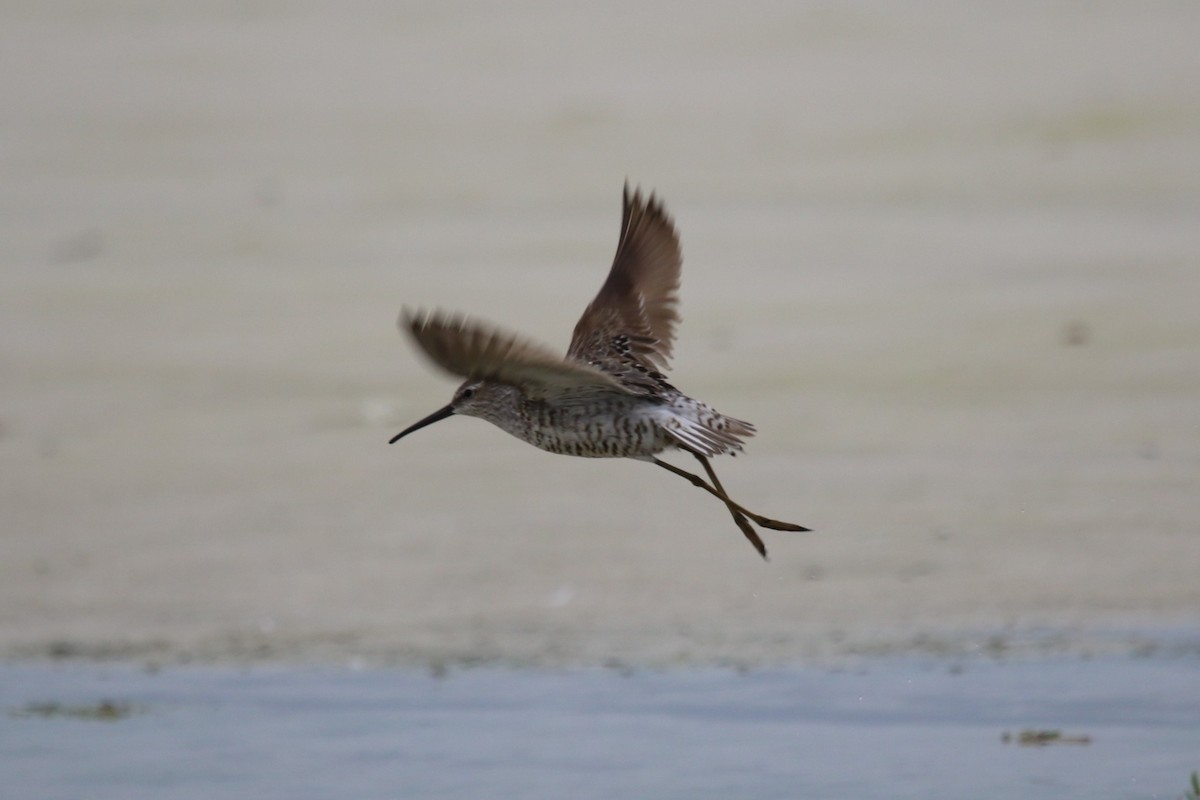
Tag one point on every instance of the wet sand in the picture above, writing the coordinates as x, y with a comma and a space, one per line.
946, 260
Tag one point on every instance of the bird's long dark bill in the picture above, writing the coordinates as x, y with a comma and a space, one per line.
432, 418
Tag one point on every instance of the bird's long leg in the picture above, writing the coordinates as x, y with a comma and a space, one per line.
733, 507
696, 480
766, 522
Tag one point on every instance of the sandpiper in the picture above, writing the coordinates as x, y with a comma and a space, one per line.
609, 397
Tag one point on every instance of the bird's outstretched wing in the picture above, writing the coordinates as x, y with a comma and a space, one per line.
629, 328
478, 351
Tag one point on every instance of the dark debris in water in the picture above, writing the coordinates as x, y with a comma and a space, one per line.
103, 711
1031, 737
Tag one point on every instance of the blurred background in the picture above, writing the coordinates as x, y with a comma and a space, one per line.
944, 255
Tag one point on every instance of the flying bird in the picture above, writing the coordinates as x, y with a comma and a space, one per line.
609, 396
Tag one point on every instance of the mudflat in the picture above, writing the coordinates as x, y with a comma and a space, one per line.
947, 263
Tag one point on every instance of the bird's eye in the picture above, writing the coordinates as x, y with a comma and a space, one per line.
468, 394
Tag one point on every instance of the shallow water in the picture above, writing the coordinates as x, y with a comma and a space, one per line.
888, 728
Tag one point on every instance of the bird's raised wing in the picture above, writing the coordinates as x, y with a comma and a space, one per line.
631, 322
477, 351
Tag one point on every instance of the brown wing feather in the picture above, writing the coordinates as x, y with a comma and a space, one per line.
633, 316
478, 351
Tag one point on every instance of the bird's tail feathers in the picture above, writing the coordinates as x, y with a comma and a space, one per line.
704, 430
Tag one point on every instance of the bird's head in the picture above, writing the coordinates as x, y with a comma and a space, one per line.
474, 398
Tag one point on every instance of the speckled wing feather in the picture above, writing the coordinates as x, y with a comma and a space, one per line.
478, 351
629, 328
